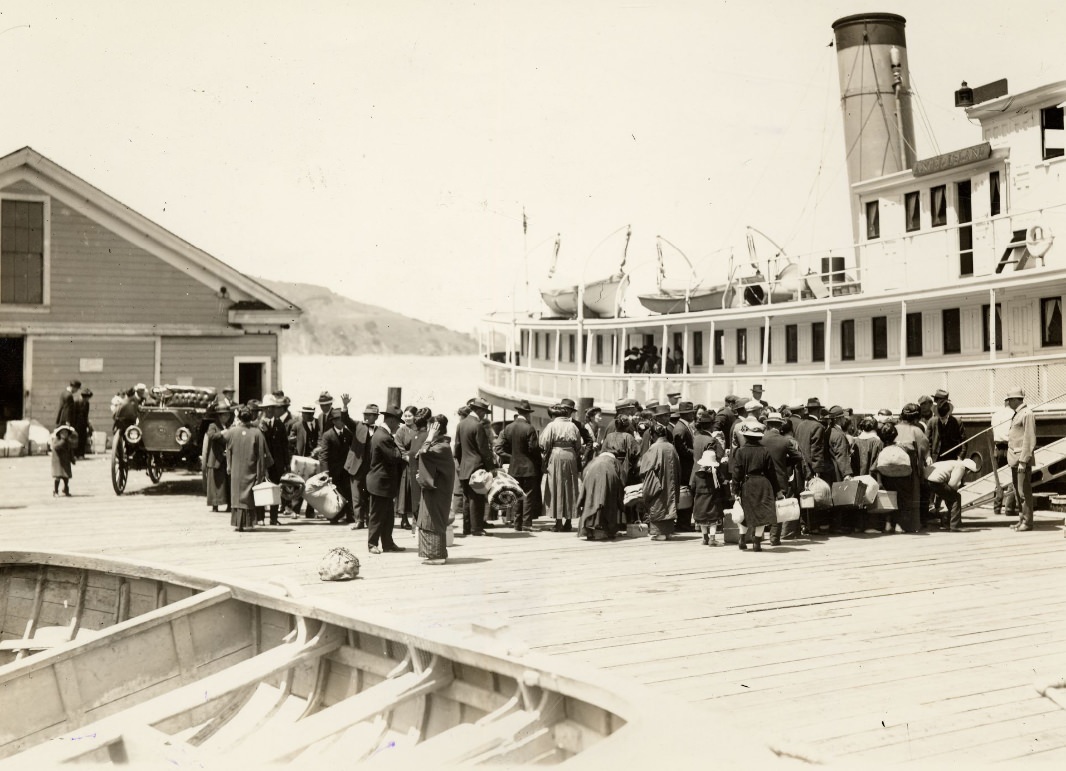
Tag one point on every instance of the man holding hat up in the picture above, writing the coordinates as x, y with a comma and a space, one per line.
1021, 444
357, 464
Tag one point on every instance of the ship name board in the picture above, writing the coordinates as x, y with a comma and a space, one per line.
953, 159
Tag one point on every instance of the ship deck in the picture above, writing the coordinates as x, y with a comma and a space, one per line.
860, 649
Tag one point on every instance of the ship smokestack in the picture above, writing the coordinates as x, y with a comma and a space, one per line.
875, 94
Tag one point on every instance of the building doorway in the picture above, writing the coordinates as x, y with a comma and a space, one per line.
252, 376
12, 388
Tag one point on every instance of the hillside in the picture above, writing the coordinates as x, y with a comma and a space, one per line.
337, 326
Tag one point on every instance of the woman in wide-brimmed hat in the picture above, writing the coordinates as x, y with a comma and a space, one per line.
560, 441
755, 483
64, 445
708, 480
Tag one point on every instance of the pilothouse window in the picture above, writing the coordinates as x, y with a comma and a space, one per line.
1053, 135
873, 220
938, 206
914, 211
1051, 321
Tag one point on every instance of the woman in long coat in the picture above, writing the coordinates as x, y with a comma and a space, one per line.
600, 502
913, 440
405, 434
64, 446
660, 469
247, 459
423, 416
435, 476
756, 482
560, 441
216, 478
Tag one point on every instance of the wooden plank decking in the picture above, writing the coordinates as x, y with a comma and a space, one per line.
860, 649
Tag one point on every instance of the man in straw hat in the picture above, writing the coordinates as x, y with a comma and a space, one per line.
519, 445
1021, 444
276, 435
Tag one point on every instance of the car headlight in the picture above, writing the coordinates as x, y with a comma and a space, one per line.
133, 435
182, 435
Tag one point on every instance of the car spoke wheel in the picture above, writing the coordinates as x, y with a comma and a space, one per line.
155, 467
119, 465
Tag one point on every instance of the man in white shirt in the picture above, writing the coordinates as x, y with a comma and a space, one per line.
1021, 444
1004, 501
945, 477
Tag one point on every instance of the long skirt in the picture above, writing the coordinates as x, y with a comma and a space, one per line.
241, 517
432, 545
661, 527
757, 498
708, 507
560, 500
216, 485
403, 496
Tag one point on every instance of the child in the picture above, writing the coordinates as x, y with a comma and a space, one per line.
64, 445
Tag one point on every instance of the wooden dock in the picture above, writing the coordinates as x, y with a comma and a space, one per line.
860, 649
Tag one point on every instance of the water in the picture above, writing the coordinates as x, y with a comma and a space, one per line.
442, 383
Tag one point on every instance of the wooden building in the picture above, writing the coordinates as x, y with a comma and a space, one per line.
92, 290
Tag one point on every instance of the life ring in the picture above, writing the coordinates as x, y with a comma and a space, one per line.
1038, 239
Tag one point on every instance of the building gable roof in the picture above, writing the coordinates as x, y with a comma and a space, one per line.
28, 164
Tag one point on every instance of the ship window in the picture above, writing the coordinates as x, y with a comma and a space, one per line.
818, 341
719, 346
914, 334
599, 349
847, 340
1051, 321
764, 352
913, 208
573, 345
984, 328
679, 341
880, 335
536, 345
873, 220
950, 318
791, 343
965, 214
697, 348
742, 346
938, 206
993, 193
22, 258
1053, 135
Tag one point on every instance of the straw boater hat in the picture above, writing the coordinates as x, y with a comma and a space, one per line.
308, 408
325, 398
269, 401
754, 430
775, 417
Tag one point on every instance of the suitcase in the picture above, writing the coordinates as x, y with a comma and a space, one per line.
730, 531
850, 493
886, 501
788, 510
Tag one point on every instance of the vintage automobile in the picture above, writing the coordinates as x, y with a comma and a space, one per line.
167, 435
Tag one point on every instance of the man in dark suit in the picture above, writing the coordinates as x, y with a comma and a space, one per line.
65, 413
333, 449
277, 441
518, 443
472, 453
682, 440
786, 458
325, 407
303, 434
811, 438
384, 471
358, 462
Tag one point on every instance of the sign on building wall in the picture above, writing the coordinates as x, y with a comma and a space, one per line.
953, 159
90, 365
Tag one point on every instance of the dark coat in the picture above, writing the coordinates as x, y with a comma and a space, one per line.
333, 450
519, 442
784, 455
810, 436
386, 465
682, 438
435, 477
303, 438
247, 458
277, 440
358, 461
600, 501
65, 413
472, 449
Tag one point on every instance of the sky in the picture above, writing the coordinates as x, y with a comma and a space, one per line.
388, 150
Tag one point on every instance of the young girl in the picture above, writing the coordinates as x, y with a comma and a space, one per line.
64, 444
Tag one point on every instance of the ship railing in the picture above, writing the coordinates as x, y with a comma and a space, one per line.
975, 387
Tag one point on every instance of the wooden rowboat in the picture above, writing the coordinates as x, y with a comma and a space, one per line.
181, 669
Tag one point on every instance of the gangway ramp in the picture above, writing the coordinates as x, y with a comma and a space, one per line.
1049, 462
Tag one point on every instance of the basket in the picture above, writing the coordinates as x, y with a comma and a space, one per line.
266, 494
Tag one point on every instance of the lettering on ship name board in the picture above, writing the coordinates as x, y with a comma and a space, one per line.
952, 160
90, 365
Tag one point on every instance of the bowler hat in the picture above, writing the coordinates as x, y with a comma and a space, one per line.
87, 393
1015, 393
523, 407
757, 387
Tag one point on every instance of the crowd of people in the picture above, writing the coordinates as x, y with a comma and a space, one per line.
673, 467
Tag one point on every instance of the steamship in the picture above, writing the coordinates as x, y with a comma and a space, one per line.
953, 282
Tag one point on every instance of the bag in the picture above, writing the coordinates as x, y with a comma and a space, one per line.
850, 492
806, 500
652, 487
822, 492
788, 509
322, 495
637, 530
737, 513
684, 497
303, 466
872, 488
633, 494
339, 564
893, 461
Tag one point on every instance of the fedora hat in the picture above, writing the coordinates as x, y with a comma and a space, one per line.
1015, 393
925, 399
684, 407
753, 404
940, 394
269, 401
228, 389
652, 404
836, 411
479, 404
755, 430
662, 409
371, 409
775, 417
814, 401
325, 398
569, 403
523, 407
308, 408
